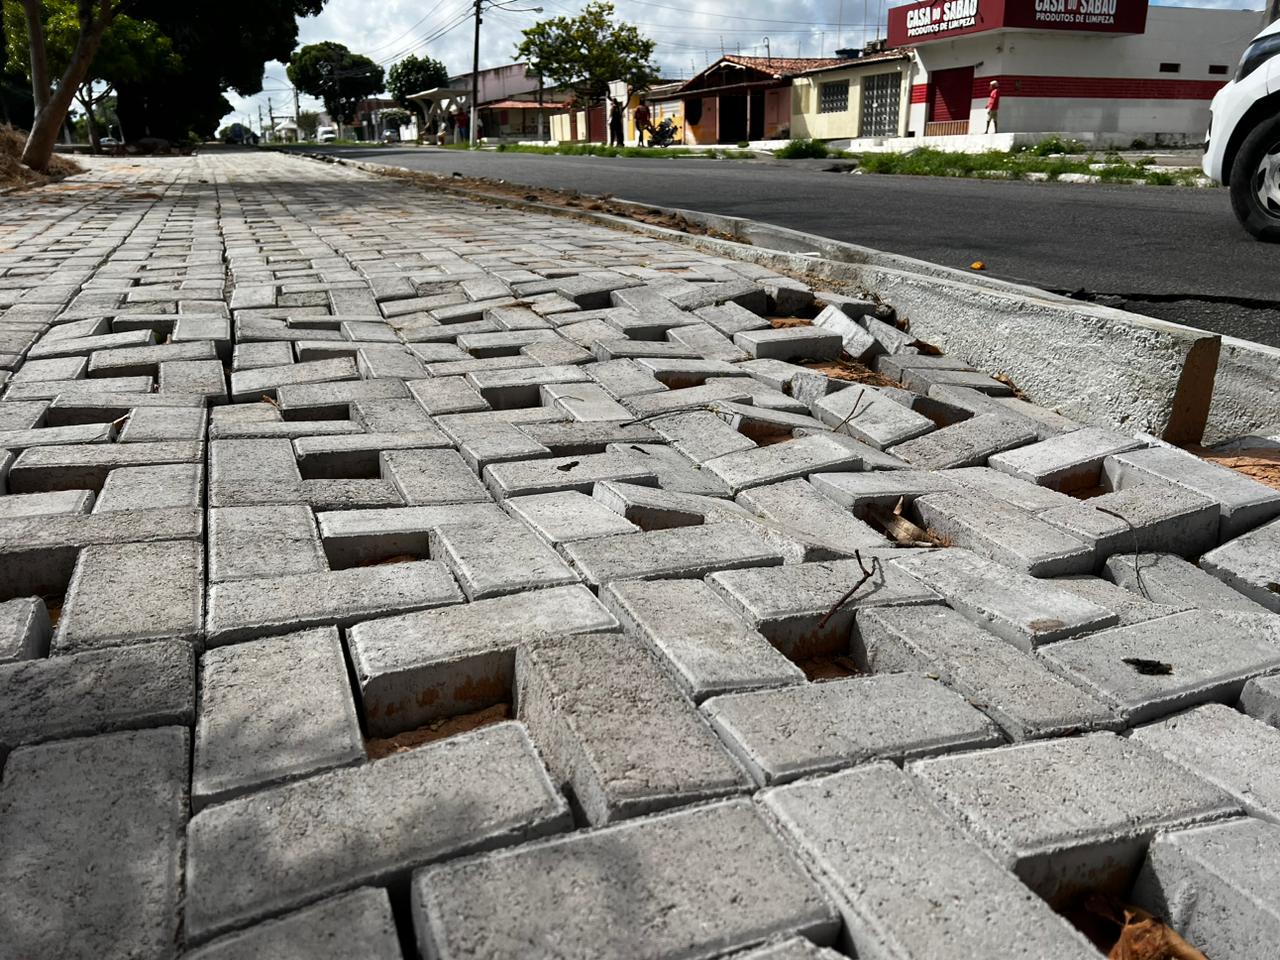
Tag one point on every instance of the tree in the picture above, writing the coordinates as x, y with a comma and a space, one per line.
130, 49
589, 51
395, 118
337, 76
222, 45
413, 75
93, 17
308, 122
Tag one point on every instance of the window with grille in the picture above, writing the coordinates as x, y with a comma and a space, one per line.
880, 105
834, 97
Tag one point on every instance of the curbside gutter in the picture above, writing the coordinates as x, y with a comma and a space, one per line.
1091, 363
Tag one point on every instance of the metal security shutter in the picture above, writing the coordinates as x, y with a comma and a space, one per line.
880, 98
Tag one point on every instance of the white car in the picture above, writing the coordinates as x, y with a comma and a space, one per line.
1242, 151
326, 134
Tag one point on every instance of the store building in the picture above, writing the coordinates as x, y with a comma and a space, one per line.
1098, 69
867, 94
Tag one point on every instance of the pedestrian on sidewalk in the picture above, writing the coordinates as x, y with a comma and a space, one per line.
615, 123
993, 108
642, 122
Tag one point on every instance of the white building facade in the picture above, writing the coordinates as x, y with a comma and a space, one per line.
1102, 70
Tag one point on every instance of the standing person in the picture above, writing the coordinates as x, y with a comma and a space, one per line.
615, 123
642, 123
993, 108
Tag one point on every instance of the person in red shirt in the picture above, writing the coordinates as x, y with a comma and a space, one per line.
642, 123
993, 108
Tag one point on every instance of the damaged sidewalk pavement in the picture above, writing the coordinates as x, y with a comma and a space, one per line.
391, 574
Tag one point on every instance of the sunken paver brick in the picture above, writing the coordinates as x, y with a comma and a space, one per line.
272, 710
580, 472
861, 492
790, 604
1250, 564
1244, 502
675, 553
1158, 517
1167, 579
566, 516
792, 732
420, 667
492, 559
1015, 607
1066, 815
703, 644
133, 593
1229, 749
616, 730
692, 883
24, 629
966, 444
797, 505
277, 850
700, 435
1072, 461
1151, 669
243, 609
1011, 687
85, 466
64, 502
355, 924
91, 846
782, 461
1216, 886
910, 884
120, 688
426, 477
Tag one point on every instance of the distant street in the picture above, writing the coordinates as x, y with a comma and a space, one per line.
1168, 252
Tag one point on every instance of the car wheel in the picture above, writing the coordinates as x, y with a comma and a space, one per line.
1255, 181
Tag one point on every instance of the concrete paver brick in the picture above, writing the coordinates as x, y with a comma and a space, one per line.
272, 710
864, 413
566, 516
691, 883
1072, 461
1083, 810
279, 849
578, 472
671, 553
1168, 579
358, 923
1231, 750
908, 881
969, 443
614, 728
782, 461
496, 558
1129, 607
76, 817
1261, 699
1249, 564
120, 688
1153, 668
1215, 885
24, 629
1015, 607
420, 667
132, 593
791, 732
248, 542
1014, 689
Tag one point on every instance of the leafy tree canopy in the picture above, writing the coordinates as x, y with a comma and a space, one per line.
395, 118
413, 75
337, 76
589, 51
308, 122
222, 45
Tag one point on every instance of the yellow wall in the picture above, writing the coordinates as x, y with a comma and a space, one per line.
806, 121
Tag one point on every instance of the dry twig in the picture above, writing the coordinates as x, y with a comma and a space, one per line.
866, 575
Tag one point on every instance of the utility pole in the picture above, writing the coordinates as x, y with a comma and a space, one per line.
271, 115
475, 78
768, 53
259, 119
296, 108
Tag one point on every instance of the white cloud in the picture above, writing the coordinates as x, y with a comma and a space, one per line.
690, 33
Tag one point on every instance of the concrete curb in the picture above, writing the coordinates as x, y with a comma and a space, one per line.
1092, 363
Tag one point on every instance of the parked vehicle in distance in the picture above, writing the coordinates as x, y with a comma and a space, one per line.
664, 134
390, 136
1242, 149
108, 142
326, 134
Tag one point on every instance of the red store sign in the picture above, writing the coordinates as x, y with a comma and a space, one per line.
929, 20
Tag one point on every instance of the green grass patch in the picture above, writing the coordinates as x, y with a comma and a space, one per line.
803, 149
628, 153
1018, 165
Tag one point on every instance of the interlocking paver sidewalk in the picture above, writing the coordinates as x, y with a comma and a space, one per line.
385, 573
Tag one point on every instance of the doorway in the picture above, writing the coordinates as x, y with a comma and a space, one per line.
950, 94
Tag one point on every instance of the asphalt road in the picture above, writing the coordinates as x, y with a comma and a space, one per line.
1171, 252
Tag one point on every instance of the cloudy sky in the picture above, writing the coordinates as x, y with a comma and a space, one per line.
690, 33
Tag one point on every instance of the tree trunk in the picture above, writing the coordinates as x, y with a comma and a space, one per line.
50, 117
39, 58
85, 96
1273, 11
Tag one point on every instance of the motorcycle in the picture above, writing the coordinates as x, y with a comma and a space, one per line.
664, 134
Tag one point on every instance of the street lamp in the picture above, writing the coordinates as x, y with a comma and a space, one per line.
481, 5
